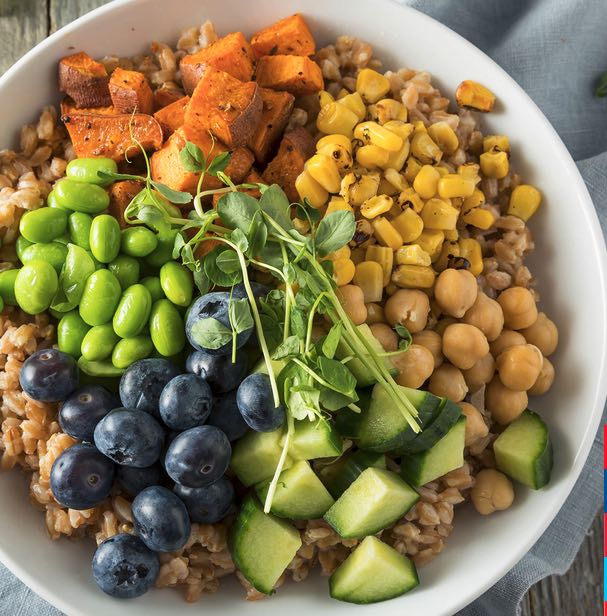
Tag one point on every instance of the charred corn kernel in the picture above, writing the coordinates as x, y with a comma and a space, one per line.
470, 249
438, 214
385, 188
396, 160
413, 277
473, 94
358, 255
336, 118
408, 198
444, 136
431, 240
413, 254
449, 250
356, 189
376, 206
419, 127
409, 225
386, 233
308, 188
371, 85
494, 164
337, 204
340, 156
369, 276
442, 171
375, 134
303, 226
469, 170
424, 149
455, 185
412, 169
343, 271
476, 199
426, 182
385, 257
324, 170
324, 98
497, 142
343, 92
479, 218
354, 103
524, 201
396, 179
372, 156
403, 129
388, 109
343, 253
375, 314
328, 141
451, 235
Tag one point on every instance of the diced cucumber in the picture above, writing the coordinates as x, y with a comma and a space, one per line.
262, 545
255, 456
373, 572
315, 439
338, 475
446, 455
356, 366
348, 422
524, 451
375, 500
300, 494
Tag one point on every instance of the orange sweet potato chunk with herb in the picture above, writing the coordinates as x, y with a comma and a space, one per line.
296, 74
231, 54
131, 92
277, 107
121, 194
172, 116
85, 80
165, 95
227, 107
289, 36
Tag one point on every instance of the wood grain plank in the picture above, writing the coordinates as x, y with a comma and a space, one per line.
62, 12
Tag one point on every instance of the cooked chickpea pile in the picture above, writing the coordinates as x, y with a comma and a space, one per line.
411, 262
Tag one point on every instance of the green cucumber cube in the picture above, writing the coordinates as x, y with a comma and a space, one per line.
315, 439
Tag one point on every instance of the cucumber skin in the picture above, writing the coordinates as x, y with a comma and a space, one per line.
346, 470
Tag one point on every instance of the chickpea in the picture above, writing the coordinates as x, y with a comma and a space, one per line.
476, 428
518, 304
448, 381
433, 342
464, 345
455, 291
409, 307
481, 373
414, 366
353, 301
519, 366
387, 337
442, 325
487, 315
506, 339
544, 380
543, 333
493, 491
375, 314
504, 404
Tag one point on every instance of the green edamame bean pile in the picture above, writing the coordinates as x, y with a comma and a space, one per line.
118, 294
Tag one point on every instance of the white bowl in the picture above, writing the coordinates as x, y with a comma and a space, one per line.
570, 263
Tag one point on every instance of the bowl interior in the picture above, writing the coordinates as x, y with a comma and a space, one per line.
569, 263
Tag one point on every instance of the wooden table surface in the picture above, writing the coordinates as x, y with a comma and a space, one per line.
23, 24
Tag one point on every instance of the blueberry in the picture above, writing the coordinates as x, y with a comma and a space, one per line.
161, 519
143, 382
124, 567
218, 370
84, 409
129, 437
259, 290
81, 477
49, 375
185, 402
209, 504
198, 456
133, 480
226, 416
256, 404
212, 306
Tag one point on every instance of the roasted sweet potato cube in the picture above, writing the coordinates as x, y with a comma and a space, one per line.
68, 106
121, 194
277, 107
231, 54
171, 117
131, 92
165, 95
295, 148
85, 80
296, 74
290, 36
227, 107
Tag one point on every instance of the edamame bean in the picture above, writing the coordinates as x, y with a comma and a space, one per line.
51, 200
99, 342
133, 311
152, 284
63, 239
130, 350
20, 245
85, 170
1, 304
43, 225
78, 266
54, 253
79, 225
164, 250
100, 298
176, 282
105, 238
99, 369
81, 197
138, 241
166, 328
7, 286
71, 331
126, 269
35, 286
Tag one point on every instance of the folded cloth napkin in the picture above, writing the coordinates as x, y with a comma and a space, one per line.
556, 50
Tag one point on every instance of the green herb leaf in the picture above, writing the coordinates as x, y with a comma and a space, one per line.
211, 333
219, 163
304, 211
304, 403
275, 204
288, 348
258, 236
110, 175
334, 401
601, 88
174, 196
290, 273
178, 245
405, 335
154, 218
227, 261
298, 322
240, 315
337, 375
217, 275
331, 341
237, 210
334, 231
272, 334
271, 255
238, 238
192, 157
202, 281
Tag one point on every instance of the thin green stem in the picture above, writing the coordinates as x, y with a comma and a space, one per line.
311, 318
281, 462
